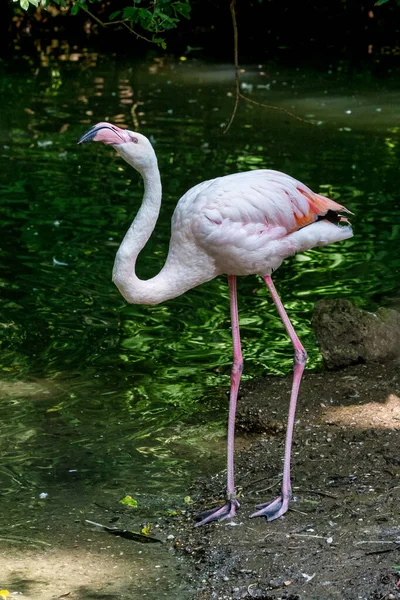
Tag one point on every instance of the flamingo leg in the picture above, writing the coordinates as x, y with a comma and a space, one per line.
278, 507
228, 510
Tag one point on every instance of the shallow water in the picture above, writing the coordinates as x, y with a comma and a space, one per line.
131, 399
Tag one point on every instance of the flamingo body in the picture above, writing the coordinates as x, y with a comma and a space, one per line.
240, 224
248, 223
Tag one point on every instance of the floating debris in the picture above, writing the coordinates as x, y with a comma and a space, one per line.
58, 263
129, 501
136, 536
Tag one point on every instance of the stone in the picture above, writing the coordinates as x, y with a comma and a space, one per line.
348, 335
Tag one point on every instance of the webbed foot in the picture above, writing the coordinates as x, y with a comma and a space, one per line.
227, 511
273, 510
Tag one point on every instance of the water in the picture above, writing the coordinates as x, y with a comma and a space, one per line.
132, 399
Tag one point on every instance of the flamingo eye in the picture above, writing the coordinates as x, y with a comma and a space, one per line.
135, 140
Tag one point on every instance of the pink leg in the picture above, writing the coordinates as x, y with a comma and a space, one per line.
229, 508
278, 507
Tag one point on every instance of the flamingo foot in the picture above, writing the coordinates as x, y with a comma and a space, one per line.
227, 511
275, 509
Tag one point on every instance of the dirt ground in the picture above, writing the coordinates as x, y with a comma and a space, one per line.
340, 540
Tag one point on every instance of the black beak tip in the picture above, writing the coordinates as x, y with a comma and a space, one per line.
91, 133
88, 135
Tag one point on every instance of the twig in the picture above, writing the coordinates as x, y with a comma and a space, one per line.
100, 22
22, 540
134, 115
374, 542
319, 493
266, 488
120, 22
236, 60
142, 37
246, 485
136, 536
298, 511
238, 94
92, 16
303, 535
381, 551
273, 107
9, 474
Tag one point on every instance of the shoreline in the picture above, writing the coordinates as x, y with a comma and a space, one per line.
341, 535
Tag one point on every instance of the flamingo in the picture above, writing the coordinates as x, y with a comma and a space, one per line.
240, 224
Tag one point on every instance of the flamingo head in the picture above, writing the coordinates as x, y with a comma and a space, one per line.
133, 147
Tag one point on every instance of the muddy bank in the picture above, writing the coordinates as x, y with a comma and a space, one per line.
341, 538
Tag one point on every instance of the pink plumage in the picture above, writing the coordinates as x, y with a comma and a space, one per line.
240, 224
250, 222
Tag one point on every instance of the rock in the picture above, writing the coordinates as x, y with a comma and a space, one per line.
348, 335
276, 583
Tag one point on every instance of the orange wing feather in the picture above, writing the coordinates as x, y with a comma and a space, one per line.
318, 207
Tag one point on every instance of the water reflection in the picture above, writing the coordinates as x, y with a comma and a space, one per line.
95, 390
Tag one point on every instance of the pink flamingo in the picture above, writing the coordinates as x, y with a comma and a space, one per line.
240, 224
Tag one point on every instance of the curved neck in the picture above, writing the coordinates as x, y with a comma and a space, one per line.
184, 268
124, 276
142, 227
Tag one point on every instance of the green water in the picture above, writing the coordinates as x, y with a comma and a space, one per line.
95, 392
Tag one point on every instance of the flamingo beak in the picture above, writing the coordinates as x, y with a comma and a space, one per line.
104, 132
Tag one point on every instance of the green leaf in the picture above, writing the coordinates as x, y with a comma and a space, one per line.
165, 17
24, 4
129, 501
130, 12
164, 21
115, 14
145, 17
183, 8
75, 9
159, 41
145, 14
380, 2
